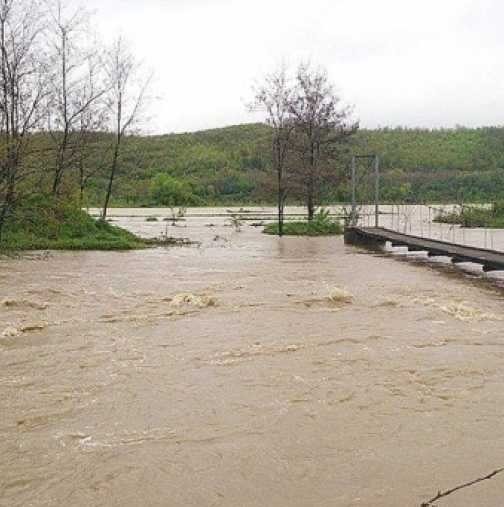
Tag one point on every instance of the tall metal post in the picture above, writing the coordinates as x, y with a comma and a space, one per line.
377, 190
353, 221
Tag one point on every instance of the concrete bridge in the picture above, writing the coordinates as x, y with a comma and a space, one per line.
373, 237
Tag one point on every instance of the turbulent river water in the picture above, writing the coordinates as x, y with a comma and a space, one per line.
248, 371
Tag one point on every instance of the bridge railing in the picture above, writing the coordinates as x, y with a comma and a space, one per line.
421, 220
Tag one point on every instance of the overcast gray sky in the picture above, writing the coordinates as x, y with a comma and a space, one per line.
423, 63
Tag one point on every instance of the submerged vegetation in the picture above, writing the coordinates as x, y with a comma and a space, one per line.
321, 225
476, 216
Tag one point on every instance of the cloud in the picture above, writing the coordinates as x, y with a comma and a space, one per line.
426, 63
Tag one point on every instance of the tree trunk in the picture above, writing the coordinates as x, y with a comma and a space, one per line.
3, 214
9, 197
111, 179
60, 164
56, 184
280, 213
311, 207
82, 182
280, 203
310, 202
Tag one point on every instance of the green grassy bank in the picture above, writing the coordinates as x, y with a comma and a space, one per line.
50, 225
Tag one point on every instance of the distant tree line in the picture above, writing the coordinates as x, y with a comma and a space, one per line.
234, 165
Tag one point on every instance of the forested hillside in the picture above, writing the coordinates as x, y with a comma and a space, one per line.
230, 165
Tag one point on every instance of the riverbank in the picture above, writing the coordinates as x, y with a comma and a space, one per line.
63, 226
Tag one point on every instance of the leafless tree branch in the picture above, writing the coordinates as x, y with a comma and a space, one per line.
430, 503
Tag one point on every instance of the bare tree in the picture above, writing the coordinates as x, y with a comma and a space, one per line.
23, 92
126, 101
274, 96
90, 152
76, 86
322, 122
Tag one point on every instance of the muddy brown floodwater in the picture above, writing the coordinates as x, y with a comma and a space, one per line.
240, 374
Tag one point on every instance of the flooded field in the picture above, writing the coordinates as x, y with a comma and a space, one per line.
248, 371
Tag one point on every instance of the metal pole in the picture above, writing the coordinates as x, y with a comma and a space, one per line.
353, 221
421, 220
430, 222
377, 191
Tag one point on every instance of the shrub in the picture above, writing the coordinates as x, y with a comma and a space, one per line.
474, 217
168, 191
321, 225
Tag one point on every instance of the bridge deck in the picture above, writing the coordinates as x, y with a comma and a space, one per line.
491, 260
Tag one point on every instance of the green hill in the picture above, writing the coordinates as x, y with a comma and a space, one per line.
230, 165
